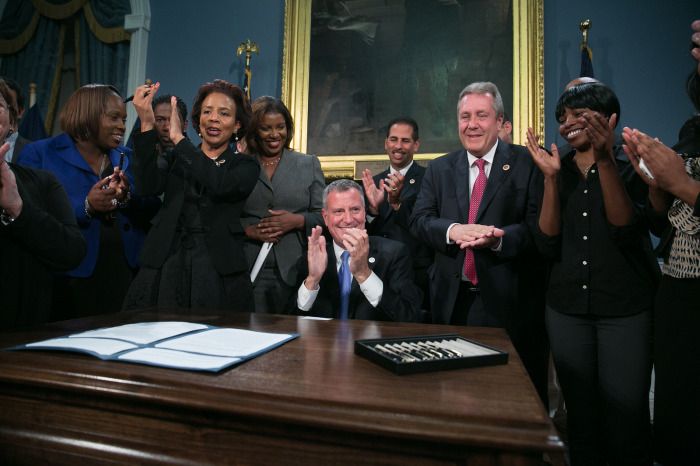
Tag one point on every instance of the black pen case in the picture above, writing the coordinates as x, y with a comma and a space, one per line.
456, 352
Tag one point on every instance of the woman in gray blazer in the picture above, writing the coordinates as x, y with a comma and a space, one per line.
283, 207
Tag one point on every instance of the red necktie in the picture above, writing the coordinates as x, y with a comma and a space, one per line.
474, 201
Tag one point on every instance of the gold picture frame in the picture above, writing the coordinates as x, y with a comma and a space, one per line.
528, 82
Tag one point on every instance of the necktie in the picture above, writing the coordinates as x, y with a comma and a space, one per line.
345, 280
474, 201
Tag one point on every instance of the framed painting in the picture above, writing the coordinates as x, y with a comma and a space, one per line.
350, 66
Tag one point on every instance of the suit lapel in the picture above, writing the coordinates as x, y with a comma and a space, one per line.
287, 167
264, 179
461, 183
410, 189
67, 150
499, 172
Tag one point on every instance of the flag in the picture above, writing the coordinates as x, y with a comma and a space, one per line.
586, 62
32, 125
246, 81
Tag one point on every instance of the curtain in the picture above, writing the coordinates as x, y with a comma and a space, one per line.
33, 41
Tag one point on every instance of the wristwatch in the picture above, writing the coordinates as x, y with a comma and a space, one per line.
88, 208
5, 218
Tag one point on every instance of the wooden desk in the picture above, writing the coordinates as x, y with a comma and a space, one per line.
312, 401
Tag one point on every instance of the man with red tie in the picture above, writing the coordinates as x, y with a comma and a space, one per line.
475, 208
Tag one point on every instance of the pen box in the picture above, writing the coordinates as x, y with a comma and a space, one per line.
425, 353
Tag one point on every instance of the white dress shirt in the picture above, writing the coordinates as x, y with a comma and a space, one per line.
473, 173
372, 288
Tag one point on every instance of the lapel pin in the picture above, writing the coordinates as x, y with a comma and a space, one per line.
412, 181
371, 260
506, 167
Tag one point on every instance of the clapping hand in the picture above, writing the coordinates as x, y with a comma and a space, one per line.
143, 104
10, 200
549, 164
317, 258
356, 242
600, 133
374, 194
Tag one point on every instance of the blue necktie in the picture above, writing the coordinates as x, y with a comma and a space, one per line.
345, 280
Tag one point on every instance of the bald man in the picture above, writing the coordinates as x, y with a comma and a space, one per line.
580, 80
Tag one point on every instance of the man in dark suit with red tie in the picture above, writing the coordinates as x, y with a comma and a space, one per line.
352, 275
475, 208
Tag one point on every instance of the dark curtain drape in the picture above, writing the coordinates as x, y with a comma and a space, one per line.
32, 44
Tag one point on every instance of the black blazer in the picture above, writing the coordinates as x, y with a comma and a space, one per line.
390, 261
45, 238
510, 203
226, 184
394, 224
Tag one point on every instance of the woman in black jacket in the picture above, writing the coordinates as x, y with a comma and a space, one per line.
193, 256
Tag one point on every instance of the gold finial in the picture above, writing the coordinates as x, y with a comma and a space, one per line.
249, 47
584, 26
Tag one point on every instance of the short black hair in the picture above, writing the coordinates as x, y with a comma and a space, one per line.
596, 96
165, 99
404, 121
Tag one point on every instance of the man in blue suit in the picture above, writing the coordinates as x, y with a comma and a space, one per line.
475, 208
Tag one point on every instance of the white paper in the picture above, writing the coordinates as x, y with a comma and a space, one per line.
178, 359
142, 333
101, 346
225, 342
181, 345
260, 260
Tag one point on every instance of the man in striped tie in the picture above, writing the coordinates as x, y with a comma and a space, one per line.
351, 275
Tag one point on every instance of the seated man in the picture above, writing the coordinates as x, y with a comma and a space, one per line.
355, 276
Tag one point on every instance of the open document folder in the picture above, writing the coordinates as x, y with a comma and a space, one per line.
178, 345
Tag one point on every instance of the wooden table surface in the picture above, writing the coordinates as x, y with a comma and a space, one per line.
311, 401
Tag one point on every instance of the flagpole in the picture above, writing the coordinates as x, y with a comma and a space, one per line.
586, 52
584, 26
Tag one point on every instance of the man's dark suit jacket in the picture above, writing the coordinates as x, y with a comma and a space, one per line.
512, 280
390, 261
225, 187
394, 224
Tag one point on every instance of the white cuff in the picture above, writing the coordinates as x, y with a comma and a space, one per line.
306, 297
373, 288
